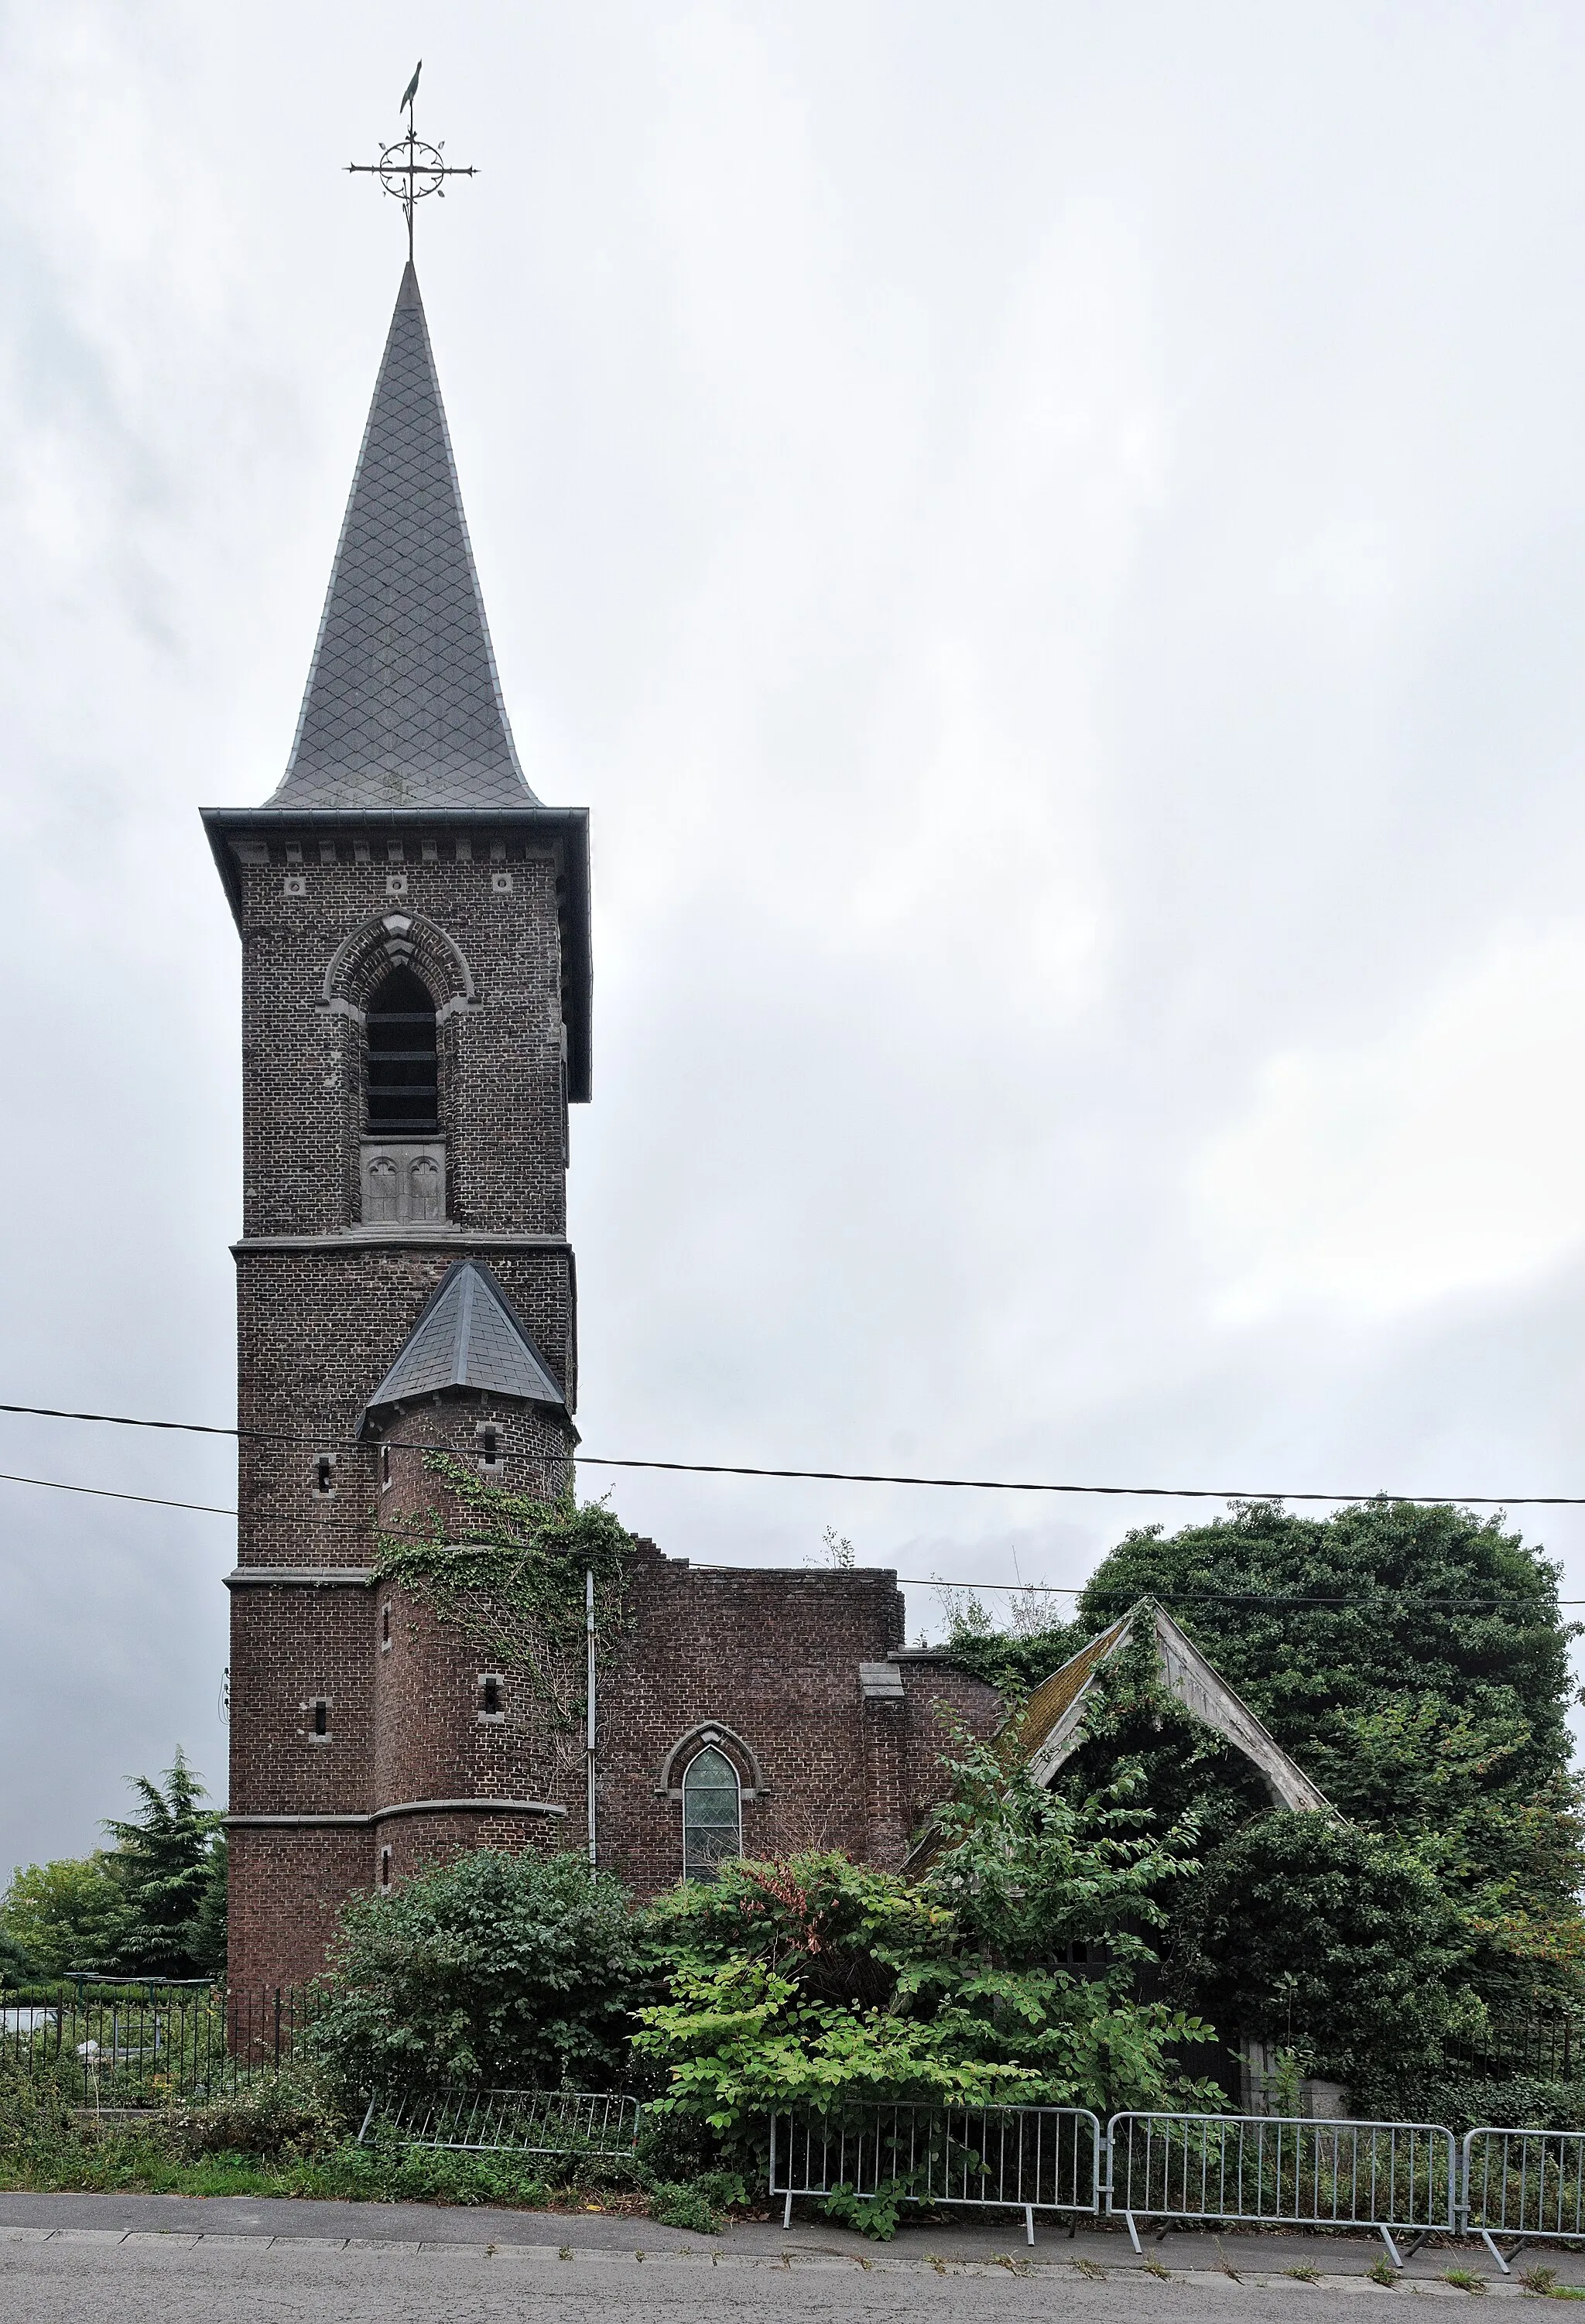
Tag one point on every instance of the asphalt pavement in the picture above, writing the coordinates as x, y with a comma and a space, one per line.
172, 2259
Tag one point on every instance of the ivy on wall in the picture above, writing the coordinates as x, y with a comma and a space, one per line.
515, 1580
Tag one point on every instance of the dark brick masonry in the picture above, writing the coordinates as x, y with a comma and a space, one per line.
359, 1745
404, 840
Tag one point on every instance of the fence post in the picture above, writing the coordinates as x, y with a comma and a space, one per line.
277, 2025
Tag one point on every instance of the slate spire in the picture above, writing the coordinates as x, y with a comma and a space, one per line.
403, 706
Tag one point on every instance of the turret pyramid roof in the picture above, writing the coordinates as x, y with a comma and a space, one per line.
467, 1337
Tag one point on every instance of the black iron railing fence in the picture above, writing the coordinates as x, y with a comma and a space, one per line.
1547, 2043
105, 2043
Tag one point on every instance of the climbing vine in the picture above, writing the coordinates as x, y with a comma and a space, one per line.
516, 1581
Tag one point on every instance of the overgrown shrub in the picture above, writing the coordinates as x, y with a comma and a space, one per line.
1414, 1660
284, 2116
514, 1972
701, 2203
35, 2112
1465, 2102
1335, 1943
817, 1982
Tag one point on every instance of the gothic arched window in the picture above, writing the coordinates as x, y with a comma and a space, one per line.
712, 1814
403, 1081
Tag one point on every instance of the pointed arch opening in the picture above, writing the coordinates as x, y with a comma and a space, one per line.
712, 1814
401, 1079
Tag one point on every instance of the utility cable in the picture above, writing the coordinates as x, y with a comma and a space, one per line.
911, 1580
838, 1476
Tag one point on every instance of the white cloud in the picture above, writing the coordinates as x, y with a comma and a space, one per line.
1050, 541
1428, 1157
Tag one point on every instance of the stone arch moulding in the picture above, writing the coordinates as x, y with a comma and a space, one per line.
700, 1737
398, 940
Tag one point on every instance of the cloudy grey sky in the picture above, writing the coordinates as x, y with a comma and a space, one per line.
1052, 540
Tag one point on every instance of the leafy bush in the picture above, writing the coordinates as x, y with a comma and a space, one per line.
1338, 1942
286, 2115
1318, 1620
700, 2203
1464, 2101
815, 1981
1013, 1659
35, 2112
1414, 1659
518, 1971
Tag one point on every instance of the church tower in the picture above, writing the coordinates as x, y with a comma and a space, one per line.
415, 1005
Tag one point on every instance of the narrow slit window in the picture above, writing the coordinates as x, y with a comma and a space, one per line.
712, 1814
325, 1476
402, 1083
384, 1466
489, 1441
386, 1630
490, 1694
321, 1717
385, 1868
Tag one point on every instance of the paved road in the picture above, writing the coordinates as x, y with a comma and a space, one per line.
172, 2280
177, 2260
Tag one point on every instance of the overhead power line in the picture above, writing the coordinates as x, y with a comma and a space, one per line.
1116, 1492
104, 1493
842, 1476
911, 1580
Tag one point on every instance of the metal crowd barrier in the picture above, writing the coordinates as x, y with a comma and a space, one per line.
1529, 2184
1274, 2171
1020, 2158
513, 2122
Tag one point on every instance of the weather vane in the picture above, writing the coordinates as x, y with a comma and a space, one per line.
409, 169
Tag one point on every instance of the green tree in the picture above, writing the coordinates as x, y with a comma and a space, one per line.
1319, 1622
1337, 1942
1414, 1661
206, 1933
518, 1971
163, 1860
69, 1915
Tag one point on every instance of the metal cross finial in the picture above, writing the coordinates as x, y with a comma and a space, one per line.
409, 169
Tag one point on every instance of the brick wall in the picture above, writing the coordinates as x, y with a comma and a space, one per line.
492, 960
769, 1662
287, 1887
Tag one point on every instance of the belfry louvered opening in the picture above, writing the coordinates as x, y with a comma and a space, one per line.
402, 1082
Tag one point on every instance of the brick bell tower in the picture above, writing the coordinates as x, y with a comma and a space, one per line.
416, 1004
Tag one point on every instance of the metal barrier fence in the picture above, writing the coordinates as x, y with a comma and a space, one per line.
1529, 2184
1273, 2171
513, 2122
1019, 2158
108, 2042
